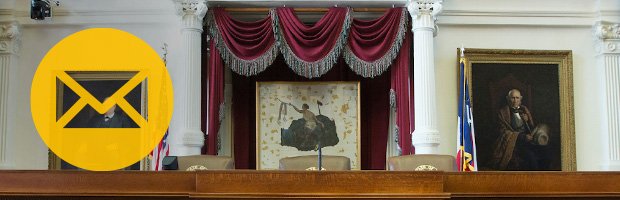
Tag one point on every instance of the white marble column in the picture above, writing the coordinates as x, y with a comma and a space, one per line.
186, 136
9, 46
425, 137
608, 55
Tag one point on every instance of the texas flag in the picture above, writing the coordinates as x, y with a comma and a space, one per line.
466, 142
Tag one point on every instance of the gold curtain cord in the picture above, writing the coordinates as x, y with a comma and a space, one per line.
304, 9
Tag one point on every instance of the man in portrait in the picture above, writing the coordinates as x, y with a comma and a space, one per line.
111, 119
515, 148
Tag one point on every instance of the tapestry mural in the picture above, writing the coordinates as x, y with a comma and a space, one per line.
298, 118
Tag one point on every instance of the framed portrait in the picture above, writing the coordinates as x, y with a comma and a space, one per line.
522, 103
296, 118
101, 85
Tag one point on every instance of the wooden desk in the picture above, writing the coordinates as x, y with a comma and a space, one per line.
245, 184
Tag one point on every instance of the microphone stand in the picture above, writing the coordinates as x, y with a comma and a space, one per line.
320, 155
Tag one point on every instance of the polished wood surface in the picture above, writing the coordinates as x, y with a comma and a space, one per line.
314, 184
533, 184
245, 184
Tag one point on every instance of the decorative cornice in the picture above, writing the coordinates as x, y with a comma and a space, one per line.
607, 36
10, 37
192, 12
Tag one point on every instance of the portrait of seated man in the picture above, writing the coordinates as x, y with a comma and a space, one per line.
114, 117
111, 119
515, 147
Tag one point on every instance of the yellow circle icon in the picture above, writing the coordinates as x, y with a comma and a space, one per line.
101, 51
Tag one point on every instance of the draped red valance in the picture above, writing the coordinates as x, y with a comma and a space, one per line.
311, 51
246, 47
374, 44
369, 47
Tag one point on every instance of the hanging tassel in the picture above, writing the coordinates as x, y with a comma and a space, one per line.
396, 139
392, 99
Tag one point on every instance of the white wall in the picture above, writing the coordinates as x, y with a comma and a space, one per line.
527, 24
153, 21
26, 148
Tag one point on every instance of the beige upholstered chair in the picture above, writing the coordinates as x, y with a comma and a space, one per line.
330, 163
422, 162
205, 162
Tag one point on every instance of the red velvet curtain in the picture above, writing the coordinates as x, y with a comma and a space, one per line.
401, 85
215, 99
310, 52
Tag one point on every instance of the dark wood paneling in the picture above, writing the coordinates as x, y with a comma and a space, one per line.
244, 184
83, 183
533, 184
300, 184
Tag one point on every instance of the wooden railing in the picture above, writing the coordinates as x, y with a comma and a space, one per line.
246, 184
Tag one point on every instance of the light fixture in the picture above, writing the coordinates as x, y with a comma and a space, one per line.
41, 9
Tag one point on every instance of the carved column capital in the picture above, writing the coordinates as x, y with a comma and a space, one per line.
10, 37
607, 36
424, 7
424, 14
192, 12
604, 31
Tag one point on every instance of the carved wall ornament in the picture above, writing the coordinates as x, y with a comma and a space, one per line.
191, 7
192, 12
607, 36
4, 46
421, 7
196, 168
605, 31
9, 32
611, 46
425, 168
315, 169
9, 38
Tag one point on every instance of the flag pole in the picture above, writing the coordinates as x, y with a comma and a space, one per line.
462, 93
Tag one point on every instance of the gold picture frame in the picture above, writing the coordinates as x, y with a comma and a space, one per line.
279, 121
544, 78
102, 79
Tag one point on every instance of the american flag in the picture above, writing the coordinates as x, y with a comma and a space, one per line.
162, 150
